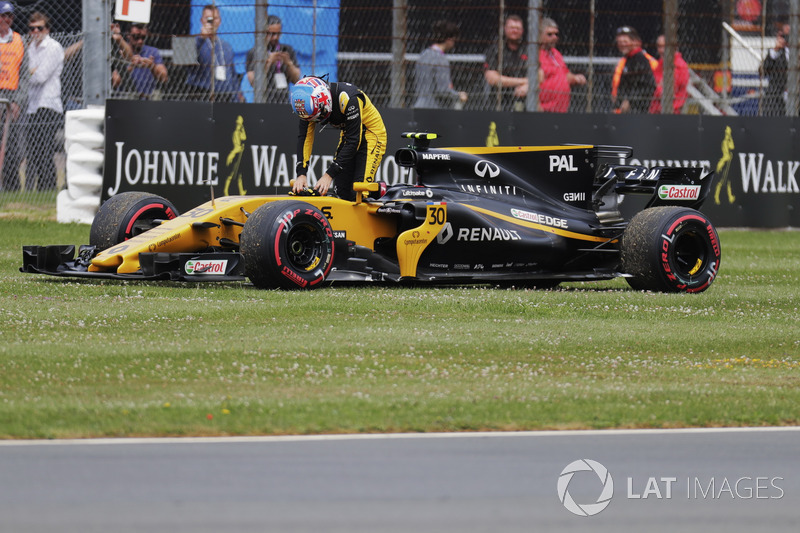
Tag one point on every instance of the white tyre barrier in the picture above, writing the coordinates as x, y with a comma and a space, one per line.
83, 143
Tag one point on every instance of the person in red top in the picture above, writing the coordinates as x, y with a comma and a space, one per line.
681, 80
555, 79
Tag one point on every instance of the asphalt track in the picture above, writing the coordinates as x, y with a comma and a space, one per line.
724, 480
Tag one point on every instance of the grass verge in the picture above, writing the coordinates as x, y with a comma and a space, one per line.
87, 359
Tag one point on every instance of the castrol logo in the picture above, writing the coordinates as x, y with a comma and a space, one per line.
679, 192
213, 267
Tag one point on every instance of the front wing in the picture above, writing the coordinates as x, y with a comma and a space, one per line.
60, 260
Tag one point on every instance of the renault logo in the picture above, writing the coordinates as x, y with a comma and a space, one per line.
484, 167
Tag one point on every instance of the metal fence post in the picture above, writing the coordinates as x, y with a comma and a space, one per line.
532, 99
590, 73
668, 61
96, 77
794, 59
260, 52
399, 26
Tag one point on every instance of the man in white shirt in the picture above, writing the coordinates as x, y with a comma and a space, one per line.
45, 111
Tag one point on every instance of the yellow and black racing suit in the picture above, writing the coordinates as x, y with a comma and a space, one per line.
362, 141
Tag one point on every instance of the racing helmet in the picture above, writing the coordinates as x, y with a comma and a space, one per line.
311, 99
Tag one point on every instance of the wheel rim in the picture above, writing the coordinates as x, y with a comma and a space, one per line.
141, 225
305, 247
691, 254
144, 220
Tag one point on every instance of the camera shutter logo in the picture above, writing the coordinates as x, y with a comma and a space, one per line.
585, 509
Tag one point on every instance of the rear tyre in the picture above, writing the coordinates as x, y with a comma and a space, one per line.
126, 215
287, 245
670, 249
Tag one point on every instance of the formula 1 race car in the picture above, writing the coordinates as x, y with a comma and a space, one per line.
509, 216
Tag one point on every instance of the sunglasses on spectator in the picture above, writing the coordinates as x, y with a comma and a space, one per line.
36, 28
551, 33
136, 37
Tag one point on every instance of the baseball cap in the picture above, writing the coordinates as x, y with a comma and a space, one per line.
628, 30
6, 7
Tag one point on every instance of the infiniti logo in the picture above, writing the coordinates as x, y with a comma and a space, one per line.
484, 167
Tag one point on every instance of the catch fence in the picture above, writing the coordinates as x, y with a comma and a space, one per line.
378, 46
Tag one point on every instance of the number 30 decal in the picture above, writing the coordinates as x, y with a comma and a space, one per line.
437, 214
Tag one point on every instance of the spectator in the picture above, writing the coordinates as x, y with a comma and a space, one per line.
280, 66
775, 68
144, 71
12, 51
121, 54
45, 111
434, 83
681, 79
555, 79
214, 78
633, 84
510, 77
362, 142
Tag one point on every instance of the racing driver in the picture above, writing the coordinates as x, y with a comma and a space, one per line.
362, 141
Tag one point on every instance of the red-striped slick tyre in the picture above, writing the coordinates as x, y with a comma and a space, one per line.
670, 249
287, 245
126, 215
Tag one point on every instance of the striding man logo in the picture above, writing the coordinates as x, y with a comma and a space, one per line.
724, 167
235, 156
492, 139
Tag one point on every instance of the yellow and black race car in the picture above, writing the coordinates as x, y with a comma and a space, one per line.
510, 216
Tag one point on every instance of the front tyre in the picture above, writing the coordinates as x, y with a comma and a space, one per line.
287, 245
126, 215
670, 249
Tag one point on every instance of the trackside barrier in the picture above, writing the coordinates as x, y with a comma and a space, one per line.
754, 158
83, 142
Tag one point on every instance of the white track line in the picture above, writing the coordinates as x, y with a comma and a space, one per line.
390, 436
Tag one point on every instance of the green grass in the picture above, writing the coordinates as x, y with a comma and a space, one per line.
31, 205
85, 359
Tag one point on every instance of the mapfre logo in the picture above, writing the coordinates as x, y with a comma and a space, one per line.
605, 487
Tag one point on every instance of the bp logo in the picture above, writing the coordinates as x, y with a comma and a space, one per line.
606, 488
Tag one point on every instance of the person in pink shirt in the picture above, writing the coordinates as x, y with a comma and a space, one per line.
555, 79
681, 80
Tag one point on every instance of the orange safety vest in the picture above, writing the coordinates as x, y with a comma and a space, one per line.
11, 55
621, 66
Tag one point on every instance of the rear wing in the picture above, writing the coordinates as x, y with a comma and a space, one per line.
679, 186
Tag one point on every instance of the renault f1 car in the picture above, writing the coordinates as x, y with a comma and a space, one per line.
509, 216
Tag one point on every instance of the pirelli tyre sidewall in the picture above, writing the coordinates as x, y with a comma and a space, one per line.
126, 215
287, 245
670, 249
